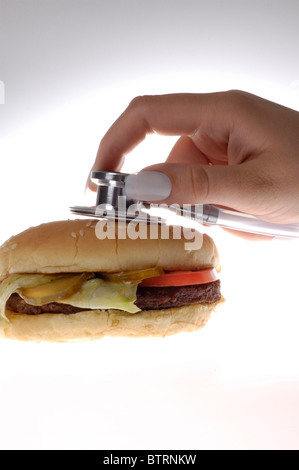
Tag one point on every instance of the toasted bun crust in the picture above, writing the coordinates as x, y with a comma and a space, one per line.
96, 324
74, 246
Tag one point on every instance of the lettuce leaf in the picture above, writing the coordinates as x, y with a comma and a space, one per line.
17, 281
97, 293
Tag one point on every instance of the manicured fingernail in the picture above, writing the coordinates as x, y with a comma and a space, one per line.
148, 186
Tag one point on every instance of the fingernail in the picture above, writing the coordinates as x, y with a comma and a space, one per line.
90, 185
148, 186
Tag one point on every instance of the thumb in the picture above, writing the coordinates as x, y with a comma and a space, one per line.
176, 183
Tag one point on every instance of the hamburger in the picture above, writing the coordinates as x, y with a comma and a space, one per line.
60, 283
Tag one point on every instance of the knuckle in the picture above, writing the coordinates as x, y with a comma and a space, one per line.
139, 111
235, 99
139, 102
237, 106
198, 183
236, 93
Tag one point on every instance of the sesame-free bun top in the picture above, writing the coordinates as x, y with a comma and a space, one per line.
74, 246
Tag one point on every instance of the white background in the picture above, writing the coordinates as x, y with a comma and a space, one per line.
69, 69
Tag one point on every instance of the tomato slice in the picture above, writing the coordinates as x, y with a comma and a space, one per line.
181, 278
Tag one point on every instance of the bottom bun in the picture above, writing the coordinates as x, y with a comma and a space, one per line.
95, 324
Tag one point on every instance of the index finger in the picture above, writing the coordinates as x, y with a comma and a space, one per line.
173, 114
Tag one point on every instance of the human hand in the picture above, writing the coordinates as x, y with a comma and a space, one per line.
235, 150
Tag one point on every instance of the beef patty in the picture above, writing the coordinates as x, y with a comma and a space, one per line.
148, 298
156, 298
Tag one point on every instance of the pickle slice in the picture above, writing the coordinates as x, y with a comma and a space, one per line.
53, 291
132, 276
